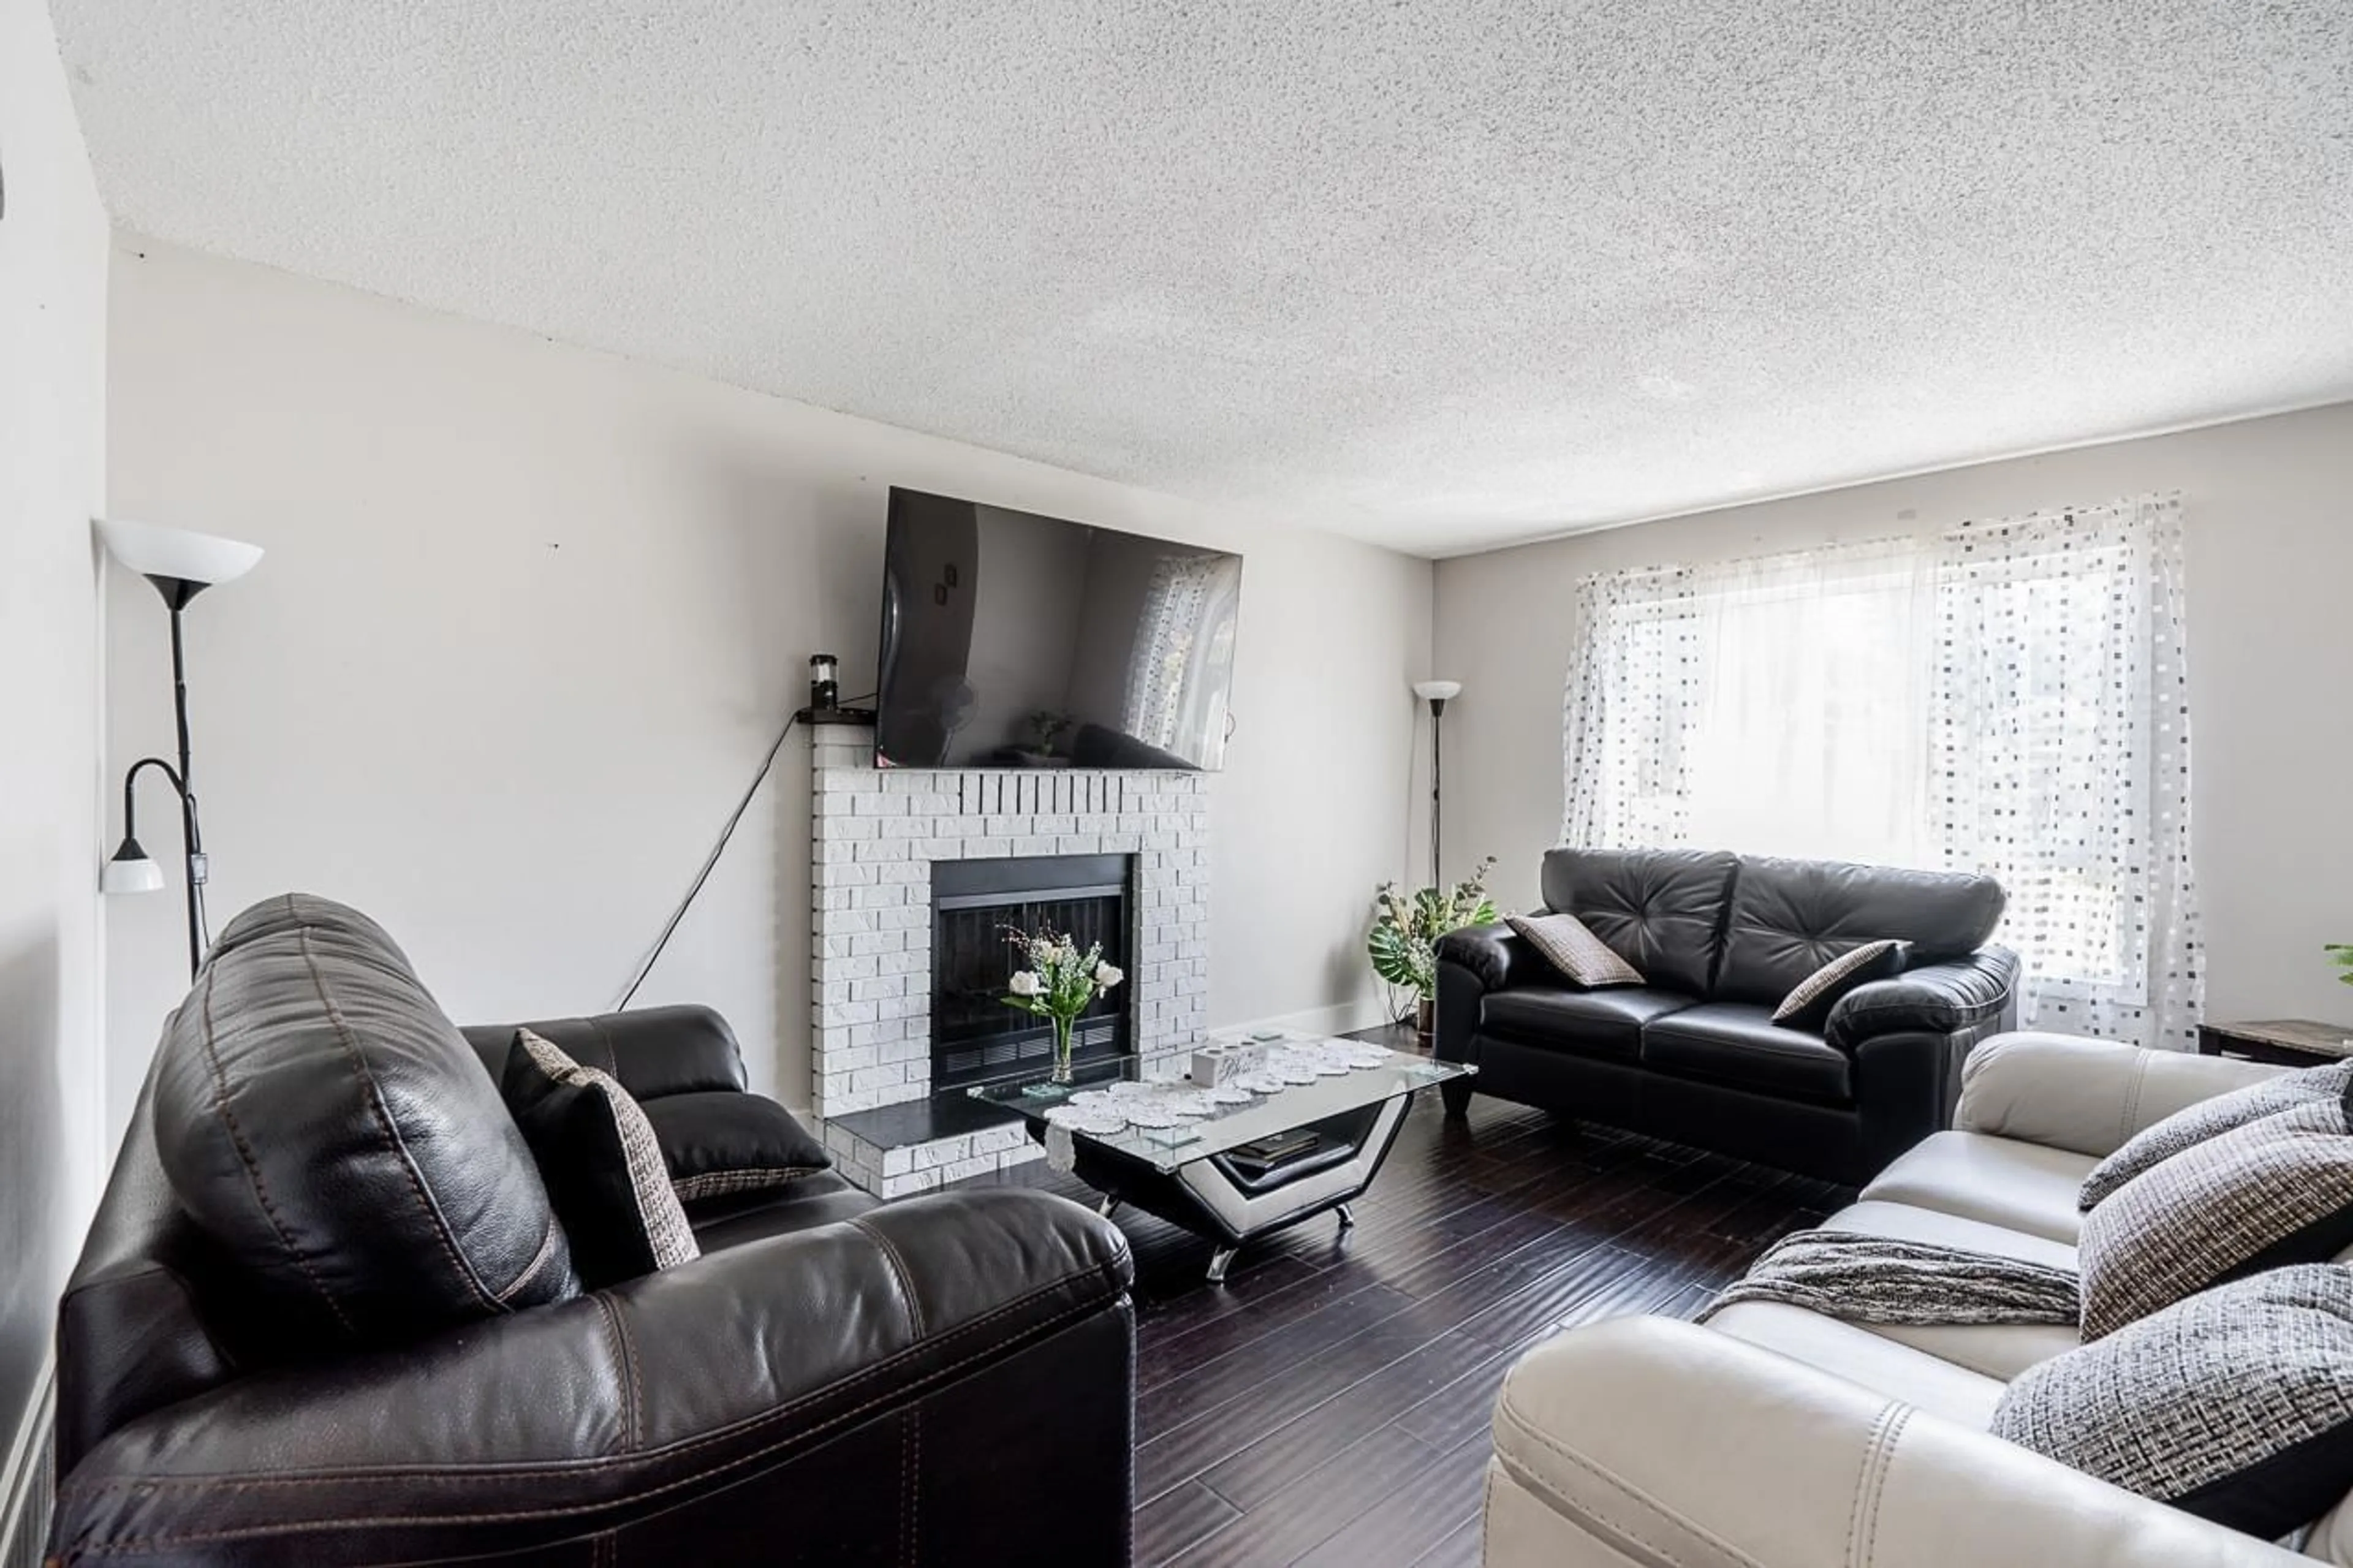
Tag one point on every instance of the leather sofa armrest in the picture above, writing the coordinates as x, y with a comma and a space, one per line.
1935, 998
653, 1051
2086, 1096
1650, 1440
1495, 954
597, 1413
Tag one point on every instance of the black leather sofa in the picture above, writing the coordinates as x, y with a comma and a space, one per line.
834, 1382
1692, 1056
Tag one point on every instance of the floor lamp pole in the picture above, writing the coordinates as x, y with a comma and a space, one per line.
1436, 693
1437, 791
191, 838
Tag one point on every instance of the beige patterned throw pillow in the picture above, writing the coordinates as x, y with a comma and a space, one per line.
1807, 1006
601, 1161
1568, 946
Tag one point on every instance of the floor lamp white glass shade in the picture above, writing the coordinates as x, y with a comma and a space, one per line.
175, 553
1437, 690
131, 872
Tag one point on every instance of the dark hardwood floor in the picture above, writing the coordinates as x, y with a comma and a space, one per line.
1328, 1406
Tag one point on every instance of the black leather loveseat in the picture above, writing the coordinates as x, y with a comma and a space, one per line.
833, 1381
1692, 1054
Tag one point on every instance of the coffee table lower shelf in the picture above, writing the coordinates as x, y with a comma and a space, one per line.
1216, 1201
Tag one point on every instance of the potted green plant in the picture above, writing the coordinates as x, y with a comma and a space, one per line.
1403, 944
2340, 953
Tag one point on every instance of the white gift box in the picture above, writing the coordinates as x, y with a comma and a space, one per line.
1214, 1066
1217, 1066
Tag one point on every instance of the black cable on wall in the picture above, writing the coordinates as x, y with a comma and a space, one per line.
711, 861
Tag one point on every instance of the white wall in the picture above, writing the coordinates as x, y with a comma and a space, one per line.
2269, 504
53, 257
531, 614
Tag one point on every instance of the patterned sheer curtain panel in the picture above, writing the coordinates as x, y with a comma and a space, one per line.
2008, 696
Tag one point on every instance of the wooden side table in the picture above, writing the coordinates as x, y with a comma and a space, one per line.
2287, 1042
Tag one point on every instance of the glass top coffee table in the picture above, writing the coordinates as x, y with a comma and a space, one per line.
1208, 1167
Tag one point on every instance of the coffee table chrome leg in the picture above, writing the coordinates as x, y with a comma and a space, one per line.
1218, 1262
1347, 1217
1107, 1207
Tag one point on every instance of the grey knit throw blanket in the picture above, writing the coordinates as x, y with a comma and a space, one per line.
1876, 1280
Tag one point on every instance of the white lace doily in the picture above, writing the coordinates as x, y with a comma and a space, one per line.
1085, 1119
1130, 1102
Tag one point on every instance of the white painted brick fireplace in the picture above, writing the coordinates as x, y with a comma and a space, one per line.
877, 833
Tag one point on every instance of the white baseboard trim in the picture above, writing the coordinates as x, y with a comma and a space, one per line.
1342, 1018
27, 1488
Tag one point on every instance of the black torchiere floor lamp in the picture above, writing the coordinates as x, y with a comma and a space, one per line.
1436, 693
180, 565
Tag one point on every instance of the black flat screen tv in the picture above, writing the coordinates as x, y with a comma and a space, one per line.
1011, 640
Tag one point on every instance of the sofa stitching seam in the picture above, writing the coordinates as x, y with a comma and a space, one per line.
142, 1543
637, 1408
907, 1489
1854, 1503
901, 1275
2131, 1108
538, 1261
377, 1113
1858, 1514
252, 1166
1503, 1411
606, 1313
505, 1475
1894, 1435
612, 1057
1594, 1511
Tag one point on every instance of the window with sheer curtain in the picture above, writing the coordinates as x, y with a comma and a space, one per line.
2006, 697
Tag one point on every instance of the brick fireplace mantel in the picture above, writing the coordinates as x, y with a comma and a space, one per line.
877, 832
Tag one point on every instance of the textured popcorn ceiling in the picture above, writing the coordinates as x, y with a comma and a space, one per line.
1439, 273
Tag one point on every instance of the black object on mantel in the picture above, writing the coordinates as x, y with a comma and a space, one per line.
825, 696
2283, 1042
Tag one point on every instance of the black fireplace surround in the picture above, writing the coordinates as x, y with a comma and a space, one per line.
976, 906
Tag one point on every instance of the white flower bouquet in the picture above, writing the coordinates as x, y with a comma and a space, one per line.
1058, 984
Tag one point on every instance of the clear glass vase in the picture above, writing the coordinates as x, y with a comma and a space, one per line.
1062, 1074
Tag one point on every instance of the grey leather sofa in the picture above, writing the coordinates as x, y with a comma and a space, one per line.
1775, 1437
